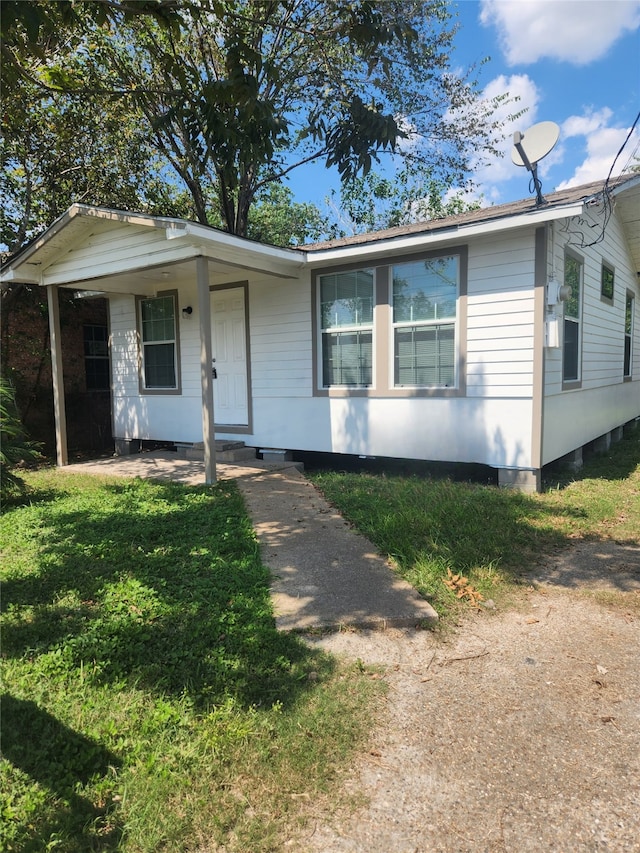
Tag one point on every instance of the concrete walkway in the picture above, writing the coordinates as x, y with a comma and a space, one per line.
324, 574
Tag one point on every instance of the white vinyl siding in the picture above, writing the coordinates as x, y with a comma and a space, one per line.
281, 348
500, 316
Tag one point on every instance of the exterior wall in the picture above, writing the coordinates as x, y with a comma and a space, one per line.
26, 362
501, 317
604, 399
491, 425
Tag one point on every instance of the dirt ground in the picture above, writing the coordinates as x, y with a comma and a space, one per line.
517, 731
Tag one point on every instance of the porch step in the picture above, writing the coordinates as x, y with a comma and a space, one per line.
226, 451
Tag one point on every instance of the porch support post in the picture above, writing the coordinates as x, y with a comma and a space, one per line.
62, 456
206, 371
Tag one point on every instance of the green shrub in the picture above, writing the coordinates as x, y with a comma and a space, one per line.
14, 446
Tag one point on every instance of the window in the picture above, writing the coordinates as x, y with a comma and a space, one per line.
571, 359
606, 284
346, 312
628, 334
159, 344
96, 357
425, 295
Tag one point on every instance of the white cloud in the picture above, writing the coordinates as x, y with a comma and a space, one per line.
520, 86
575, 31
601, 146
586, 124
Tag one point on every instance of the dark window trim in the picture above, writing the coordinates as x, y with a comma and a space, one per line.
629, 294
608, 300
382, 384
158, 392
574, 384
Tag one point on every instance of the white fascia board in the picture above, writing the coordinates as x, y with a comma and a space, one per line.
632, 183
242, 253
29, 276
410, 242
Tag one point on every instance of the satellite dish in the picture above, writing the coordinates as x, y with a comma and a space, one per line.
530, 147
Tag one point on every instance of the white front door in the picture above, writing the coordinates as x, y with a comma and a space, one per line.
229, 349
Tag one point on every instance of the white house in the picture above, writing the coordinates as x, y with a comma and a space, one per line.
507, 336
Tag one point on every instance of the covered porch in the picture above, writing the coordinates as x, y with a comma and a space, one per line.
104, 252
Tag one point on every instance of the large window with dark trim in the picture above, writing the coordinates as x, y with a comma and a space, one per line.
572, 331
96, 357
346, 320
425, 298
628, 335
159, 344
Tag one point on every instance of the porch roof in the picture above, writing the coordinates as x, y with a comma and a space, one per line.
171, 243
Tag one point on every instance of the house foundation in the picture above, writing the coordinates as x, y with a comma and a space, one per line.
126, 446
523, 480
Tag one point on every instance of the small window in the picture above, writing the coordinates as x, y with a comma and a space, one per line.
606, 285
571, 347
159, 344
628, 335
425, 297
96, 357
346, 312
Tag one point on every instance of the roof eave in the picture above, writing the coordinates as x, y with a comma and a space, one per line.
450, 234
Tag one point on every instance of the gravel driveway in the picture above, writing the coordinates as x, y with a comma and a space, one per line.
518, 731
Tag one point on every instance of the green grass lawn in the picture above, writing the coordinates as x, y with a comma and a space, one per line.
491, 536
148, 701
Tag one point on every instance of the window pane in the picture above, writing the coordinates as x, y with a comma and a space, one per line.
159, 366
97, 374
607, 282
425, 355
347, 358
96, 341
572, 276
628, 334
571, 350
627, 355
158, 322
346, 299
425, 290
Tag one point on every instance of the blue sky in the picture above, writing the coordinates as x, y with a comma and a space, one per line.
573, 62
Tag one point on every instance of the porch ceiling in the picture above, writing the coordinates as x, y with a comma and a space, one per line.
150, 280
628, 207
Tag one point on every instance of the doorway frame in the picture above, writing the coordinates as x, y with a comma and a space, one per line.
239, 429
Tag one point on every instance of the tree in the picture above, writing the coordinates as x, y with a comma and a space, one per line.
252, 90
39, 30
232, 95
277, 219
56, 152
375, 202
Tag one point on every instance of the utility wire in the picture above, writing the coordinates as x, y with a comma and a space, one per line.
607, 205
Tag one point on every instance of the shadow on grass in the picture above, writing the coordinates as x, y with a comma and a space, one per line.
161, 586
59, 758
617, 463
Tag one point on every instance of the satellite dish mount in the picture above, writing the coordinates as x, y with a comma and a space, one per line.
530, 147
